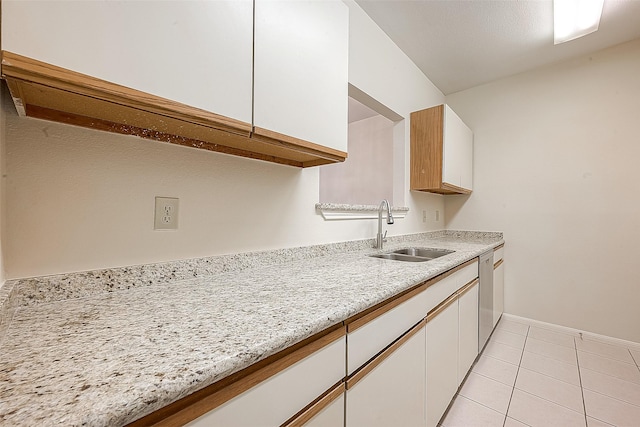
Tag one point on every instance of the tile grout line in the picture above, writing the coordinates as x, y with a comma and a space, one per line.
550, 376
612, 398
584, 405
609, 357
637, 362
516, 379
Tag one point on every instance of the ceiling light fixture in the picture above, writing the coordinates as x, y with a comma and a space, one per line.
575, 18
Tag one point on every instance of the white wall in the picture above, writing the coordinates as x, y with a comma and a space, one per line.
79, 199
556, 168
366, 177
4, 98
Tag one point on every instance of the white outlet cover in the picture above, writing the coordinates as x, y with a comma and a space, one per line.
166, 213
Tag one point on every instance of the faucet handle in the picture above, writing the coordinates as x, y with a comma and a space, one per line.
384, 238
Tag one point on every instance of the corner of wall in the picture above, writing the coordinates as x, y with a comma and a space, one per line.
4, 96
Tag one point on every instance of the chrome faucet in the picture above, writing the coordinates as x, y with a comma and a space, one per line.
380, 239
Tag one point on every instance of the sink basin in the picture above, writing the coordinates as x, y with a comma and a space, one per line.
414, 254
421, 252
401, 257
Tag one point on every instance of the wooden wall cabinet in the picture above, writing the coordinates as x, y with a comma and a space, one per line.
441, 152
184, 73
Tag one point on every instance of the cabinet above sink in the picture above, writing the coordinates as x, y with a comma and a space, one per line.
192, 74
441, 152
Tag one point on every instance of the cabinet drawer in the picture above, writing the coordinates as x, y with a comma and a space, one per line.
274, 400
498, 254
368, 338
441, 290
390, 390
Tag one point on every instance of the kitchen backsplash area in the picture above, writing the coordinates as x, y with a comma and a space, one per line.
46, 289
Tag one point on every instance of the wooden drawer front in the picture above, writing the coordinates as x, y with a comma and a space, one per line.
442, 289
276, 399
498, 254
369, 339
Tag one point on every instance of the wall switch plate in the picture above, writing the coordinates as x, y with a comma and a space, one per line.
437, 215
166, 216
424, 216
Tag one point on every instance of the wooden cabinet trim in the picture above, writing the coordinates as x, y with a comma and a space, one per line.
451, 299
275, 138
426, 146
466, 288
497, 264
36, 86
315, 407
498, 247
383, 355
22, 68
360, 319
202, 401
388, 306
453, 189
442, 306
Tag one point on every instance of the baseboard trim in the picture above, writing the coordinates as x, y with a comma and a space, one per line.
573, 331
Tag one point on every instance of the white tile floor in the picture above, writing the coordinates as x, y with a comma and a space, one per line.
533, 376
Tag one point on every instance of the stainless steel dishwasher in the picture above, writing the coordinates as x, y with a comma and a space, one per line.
485, 299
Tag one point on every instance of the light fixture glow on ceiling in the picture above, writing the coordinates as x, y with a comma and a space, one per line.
575, 18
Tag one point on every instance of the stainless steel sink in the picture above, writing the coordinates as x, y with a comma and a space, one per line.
421, 252
401, 257
414, 254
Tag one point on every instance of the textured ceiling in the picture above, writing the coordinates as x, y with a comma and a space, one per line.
460, 44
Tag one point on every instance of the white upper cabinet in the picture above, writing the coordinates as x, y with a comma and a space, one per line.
301, 70
197, 53
457, 165
441, 152
192, 73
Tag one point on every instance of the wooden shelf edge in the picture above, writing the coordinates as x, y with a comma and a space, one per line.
271, 137
19, 70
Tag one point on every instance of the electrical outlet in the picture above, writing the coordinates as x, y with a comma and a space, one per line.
437, 215
424, 216
166, 214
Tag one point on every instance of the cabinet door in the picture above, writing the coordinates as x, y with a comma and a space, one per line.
197, 53
331, 416
392, 392
276, 399
442, 359
468, 329
300, 70
498, 292
457, 163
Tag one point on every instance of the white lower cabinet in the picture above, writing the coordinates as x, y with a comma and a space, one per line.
390, 389
331, 415
442, 359
277, 398
403, 364
467, 329
498, 291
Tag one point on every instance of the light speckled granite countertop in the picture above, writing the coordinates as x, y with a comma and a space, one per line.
110, 355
